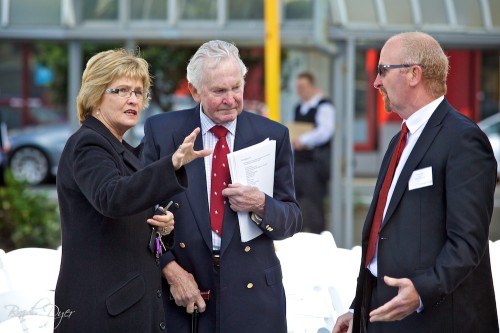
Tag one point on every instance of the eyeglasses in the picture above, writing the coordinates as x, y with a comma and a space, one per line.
382, 69
127, 93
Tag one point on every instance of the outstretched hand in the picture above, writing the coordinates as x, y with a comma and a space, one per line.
406, 302
186, 153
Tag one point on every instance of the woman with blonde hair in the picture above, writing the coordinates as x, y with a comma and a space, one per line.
110, 280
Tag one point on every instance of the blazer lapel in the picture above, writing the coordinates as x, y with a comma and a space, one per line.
424, 141
244, 137
197, 193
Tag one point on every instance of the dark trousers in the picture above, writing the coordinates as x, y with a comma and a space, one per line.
217, 293
311, 191
375, 327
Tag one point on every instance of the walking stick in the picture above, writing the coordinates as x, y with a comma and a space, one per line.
194, 317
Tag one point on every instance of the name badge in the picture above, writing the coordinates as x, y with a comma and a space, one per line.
420, 178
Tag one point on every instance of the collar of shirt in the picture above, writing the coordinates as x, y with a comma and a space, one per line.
306, 106
207, 124
419, 119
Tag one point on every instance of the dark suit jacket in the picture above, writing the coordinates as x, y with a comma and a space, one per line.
260, 308
437, 236
108, 275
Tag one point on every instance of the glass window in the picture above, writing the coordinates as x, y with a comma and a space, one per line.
197, 9
361, 11
298, 9
100, 10
35, 12
495, 12
360, 108
10, 69
398, 12
490, 84
469, 13
433, 12
246, 10
148, 10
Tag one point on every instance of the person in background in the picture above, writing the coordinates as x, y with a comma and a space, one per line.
244, 279
109, 280
312, 152
425, 263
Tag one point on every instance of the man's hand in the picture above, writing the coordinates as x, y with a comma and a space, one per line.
297, 145
344, 323
245, 198
406, 302
183, 287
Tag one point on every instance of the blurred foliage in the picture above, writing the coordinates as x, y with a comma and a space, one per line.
55, 56
27, 218
168, 67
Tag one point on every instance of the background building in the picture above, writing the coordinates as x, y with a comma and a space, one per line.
337, 40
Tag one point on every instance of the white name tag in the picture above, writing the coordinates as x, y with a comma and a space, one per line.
420, 178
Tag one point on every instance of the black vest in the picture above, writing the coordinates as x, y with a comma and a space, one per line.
305, 156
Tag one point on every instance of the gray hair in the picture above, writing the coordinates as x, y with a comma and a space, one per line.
215, 50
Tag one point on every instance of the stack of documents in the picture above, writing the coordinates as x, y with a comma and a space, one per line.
253, 166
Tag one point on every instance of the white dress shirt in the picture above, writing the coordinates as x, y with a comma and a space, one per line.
209, 141
415, 123
324, 119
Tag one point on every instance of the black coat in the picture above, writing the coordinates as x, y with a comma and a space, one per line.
109, 280
437, 236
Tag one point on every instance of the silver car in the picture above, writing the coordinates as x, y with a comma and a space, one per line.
34, 152
491, 127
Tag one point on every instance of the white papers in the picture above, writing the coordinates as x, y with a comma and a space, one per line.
253, 166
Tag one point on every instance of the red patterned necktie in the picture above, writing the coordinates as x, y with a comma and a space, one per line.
382, 198
220, 178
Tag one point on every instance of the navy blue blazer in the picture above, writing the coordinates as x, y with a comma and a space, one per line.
252, 295
437, 236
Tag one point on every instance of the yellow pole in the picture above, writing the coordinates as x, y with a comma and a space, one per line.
272, 58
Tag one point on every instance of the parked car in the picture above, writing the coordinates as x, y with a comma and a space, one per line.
35, 152
4, 148
491, 126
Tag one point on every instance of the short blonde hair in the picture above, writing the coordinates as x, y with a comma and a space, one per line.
102, 69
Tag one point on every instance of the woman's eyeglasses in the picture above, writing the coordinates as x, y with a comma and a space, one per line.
127, 93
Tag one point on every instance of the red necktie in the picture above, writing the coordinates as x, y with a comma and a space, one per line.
220, 179
382, 198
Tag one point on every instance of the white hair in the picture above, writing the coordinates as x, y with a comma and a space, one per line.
215, 50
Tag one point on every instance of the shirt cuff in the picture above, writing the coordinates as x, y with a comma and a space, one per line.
421, 307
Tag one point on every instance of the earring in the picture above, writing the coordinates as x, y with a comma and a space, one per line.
97, 113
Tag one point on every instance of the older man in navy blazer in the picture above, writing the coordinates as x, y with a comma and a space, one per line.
245, 279
425, 262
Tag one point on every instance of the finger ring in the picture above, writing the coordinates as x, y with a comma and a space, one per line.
164, 230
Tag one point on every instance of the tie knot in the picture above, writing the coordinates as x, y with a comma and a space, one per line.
219, 131
404, 129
